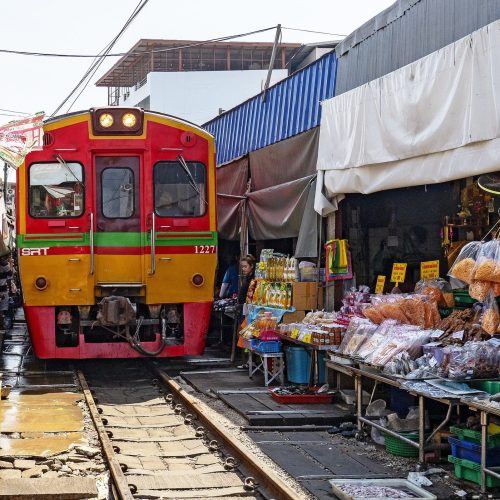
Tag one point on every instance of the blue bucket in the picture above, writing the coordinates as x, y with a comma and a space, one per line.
298, 365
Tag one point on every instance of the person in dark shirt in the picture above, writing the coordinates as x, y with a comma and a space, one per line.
247, 267
5, 279
230, 282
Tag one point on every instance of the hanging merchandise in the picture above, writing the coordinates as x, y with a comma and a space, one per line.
338, 260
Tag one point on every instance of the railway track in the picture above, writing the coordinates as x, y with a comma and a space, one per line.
161, 442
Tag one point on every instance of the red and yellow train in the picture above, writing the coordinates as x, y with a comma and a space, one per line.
116, 234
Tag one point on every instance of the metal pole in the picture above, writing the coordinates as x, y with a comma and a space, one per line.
271, 63
5, 170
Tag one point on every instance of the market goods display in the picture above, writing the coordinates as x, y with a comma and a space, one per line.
403, 366
472, 360
326, 333
418, 310
461, 326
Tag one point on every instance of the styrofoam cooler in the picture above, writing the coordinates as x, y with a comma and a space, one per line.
298, 365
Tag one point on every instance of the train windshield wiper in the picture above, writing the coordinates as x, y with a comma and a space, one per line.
192, 182
60, 159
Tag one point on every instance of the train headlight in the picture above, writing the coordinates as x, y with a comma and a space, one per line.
129, 120
106, 120
41, 283
197, 279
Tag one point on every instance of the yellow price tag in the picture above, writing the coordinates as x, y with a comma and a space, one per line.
379, 287
429, 269
398, 272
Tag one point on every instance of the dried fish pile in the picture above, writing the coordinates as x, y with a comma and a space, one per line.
368, 491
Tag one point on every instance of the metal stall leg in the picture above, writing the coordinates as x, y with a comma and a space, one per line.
358, 387
484, 444
421, 430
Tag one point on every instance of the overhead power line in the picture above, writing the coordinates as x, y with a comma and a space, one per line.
121, 54
16, 113
99, 59
312, 31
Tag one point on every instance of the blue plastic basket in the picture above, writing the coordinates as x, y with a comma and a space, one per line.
472, 451
266, 346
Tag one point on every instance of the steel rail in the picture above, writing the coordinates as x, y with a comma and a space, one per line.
119, 480
267, 479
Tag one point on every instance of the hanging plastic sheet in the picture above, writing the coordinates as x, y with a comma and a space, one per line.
276, 212
307, 242
434, 120
232, 182
284, 161
19, 137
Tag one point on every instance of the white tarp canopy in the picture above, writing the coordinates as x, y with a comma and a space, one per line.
435, 120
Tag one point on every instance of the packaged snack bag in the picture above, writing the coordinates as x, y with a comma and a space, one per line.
464, 265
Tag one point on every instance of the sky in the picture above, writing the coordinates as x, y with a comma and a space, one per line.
32, 84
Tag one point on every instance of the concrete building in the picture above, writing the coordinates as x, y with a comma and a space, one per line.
193, 80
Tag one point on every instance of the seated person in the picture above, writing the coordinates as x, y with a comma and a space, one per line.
166, 206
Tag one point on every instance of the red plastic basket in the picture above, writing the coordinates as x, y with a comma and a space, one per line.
302, 398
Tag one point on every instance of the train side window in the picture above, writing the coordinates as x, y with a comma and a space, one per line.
56, 190
117, 186
176, 194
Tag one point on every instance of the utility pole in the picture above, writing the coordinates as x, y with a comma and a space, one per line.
5, 170
271, 63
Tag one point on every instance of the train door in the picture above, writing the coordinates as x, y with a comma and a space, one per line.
118, 239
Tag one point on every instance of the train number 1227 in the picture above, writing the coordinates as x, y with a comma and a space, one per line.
205, 248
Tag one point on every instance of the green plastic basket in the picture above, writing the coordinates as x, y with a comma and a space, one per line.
471, 471
463, 299
492, 440
489, 386
395, 446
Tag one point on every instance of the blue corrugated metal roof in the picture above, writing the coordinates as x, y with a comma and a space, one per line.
292, 106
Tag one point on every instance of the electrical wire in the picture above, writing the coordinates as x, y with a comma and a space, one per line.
121, 54
15, 113
99, 59
312, 31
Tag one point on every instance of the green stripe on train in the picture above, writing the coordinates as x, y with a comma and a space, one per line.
116, 239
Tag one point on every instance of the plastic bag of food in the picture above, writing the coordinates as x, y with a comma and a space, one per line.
357, 333
488, 262
380, 335
373, 314
490, 318
437, 289
463, 267
479, 289
472, 360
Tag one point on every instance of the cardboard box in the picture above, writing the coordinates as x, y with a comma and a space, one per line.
306, 296
293, 317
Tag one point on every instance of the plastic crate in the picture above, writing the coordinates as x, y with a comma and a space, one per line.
265, 346
395, 446
302, 398
471, 471
492, 440
463, 299
472, 451
489, 386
